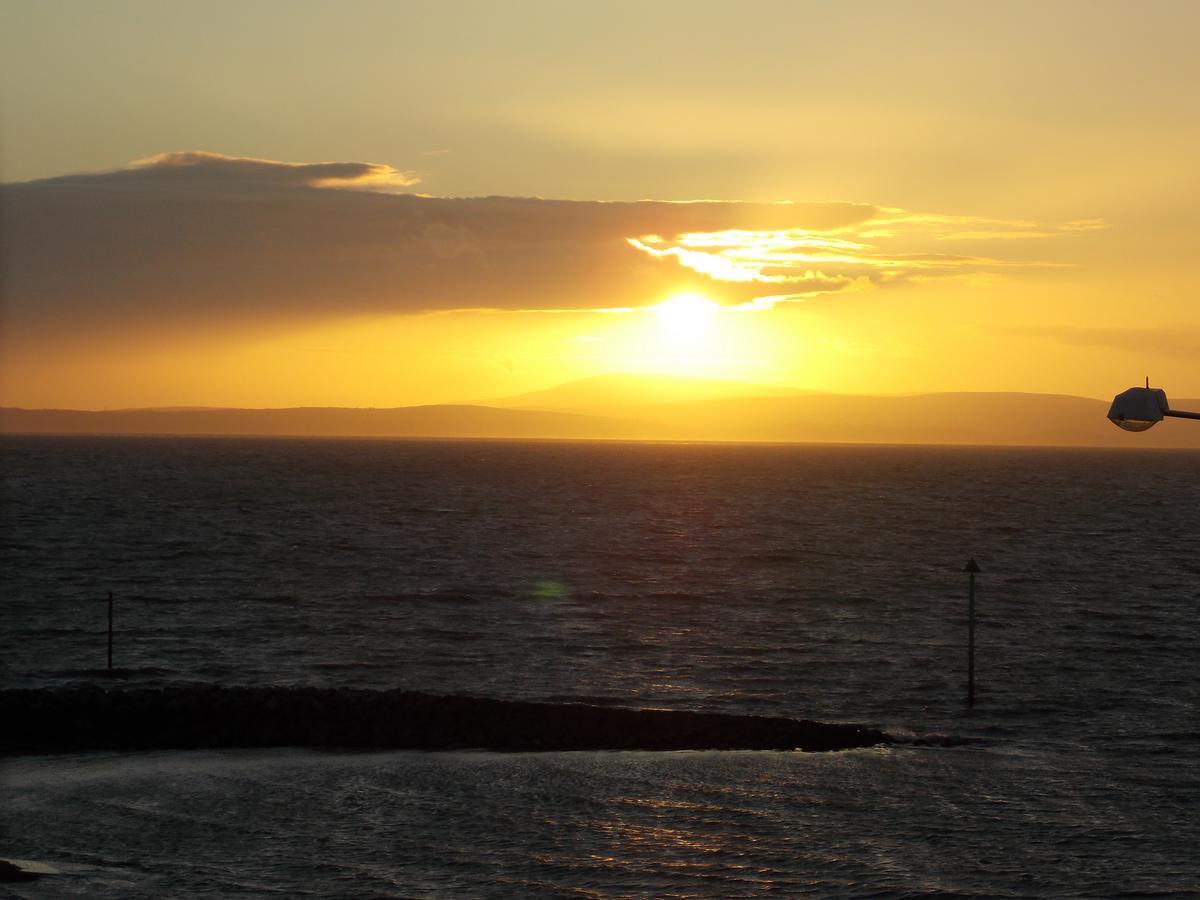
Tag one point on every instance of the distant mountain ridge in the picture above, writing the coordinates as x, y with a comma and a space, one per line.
407, 421
614, 408
629, 389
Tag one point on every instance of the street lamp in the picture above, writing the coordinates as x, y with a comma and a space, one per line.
1140, 408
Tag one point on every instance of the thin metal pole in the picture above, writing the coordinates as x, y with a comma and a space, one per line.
110, 610
971, 569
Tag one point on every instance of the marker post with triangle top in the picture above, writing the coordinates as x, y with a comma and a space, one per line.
110, 610
971, 569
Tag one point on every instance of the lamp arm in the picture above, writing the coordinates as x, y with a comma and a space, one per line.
1180, 414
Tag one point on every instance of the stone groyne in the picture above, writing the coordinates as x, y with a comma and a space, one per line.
72, 720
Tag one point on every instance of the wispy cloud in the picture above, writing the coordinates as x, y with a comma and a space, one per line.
874, 252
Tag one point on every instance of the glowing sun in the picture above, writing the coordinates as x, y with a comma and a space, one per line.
686, 315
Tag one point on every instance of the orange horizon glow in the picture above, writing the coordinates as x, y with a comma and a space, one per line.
859, 299
897, 210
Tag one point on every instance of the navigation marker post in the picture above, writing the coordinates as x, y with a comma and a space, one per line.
971, 569
110, 604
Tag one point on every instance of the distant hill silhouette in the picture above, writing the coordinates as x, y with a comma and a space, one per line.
407, 421
614, 408
949, 418
628, 390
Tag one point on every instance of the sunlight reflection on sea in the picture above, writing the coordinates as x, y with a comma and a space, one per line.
819, 582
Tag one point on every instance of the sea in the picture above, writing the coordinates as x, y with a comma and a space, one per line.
822, 582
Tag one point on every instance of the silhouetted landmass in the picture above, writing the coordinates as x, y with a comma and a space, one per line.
406, 421
951, 418
93, 718
637, 390
947, 418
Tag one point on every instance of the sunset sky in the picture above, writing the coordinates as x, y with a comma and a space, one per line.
382, 204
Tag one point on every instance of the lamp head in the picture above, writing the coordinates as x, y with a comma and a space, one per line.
1138, 408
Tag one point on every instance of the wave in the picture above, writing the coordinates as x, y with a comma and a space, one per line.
192, 717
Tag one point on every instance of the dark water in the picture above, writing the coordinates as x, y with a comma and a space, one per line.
821, 582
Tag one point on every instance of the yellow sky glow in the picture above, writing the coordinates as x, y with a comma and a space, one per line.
324, 214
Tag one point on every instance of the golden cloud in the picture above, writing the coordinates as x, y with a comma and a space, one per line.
875, 251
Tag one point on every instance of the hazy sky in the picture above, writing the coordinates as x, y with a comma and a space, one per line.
906, 197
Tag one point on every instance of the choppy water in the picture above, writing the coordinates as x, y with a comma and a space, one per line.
808, 581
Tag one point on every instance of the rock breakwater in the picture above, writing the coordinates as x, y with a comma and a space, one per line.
194, 717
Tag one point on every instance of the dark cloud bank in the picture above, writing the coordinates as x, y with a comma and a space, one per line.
194, 237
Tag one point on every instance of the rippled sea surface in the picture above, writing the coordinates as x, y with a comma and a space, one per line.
820, 582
